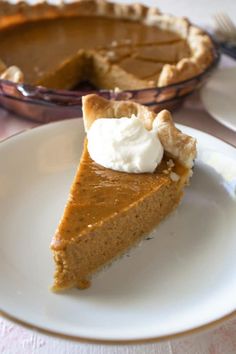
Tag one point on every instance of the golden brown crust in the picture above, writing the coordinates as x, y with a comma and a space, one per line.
178, 144
200, 44
22, 11
12, 73
95, 107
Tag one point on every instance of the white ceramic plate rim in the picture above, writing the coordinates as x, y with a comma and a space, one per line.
218, 145
207, 101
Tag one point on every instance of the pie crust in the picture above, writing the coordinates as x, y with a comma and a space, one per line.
177, 144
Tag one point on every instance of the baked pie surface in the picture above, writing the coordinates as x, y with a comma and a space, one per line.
111, 45
109, 211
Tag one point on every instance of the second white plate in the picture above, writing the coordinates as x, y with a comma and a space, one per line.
218, 96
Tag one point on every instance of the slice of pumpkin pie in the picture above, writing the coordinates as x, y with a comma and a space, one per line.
134, 167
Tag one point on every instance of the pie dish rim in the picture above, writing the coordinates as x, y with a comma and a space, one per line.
21, 97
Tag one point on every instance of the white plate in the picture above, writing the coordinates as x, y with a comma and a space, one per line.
182, 279
218, 96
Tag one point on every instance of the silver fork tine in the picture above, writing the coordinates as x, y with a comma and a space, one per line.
219, 24
225, 25
230, 23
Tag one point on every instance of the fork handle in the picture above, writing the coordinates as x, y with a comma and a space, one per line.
228, 49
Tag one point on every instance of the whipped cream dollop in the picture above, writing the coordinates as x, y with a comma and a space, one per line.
124, 144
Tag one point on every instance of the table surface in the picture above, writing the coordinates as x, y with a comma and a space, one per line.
219, 340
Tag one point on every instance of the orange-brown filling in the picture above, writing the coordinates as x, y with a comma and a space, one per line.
98, 192
39, 48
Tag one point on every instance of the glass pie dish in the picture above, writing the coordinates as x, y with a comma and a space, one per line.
46, 105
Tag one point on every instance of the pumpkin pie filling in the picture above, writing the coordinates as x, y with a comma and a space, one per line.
114, 46
108, 211
65, 37
98, 193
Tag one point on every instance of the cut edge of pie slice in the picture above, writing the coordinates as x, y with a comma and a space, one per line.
107, 211
200, 44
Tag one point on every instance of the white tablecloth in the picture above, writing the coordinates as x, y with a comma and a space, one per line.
220, 340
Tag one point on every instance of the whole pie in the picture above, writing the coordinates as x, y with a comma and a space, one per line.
111, 45
108, 211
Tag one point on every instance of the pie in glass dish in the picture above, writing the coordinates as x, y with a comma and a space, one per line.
109, 211
111, 45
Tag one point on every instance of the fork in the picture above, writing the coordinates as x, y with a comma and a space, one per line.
226, 34
225, 27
